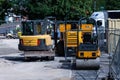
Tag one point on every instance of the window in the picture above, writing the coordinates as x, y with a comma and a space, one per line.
27, 28
38, 28
74, 26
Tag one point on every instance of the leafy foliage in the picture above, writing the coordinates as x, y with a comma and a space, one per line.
4, 5
69, 9
113, 4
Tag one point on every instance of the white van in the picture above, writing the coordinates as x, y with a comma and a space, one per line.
103, 17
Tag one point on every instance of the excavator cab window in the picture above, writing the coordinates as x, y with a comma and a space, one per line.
49, 28
27, 28
38, 28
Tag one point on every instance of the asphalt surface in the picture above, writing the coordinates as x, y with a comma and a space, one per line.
13, 66
99, 74
12, 62
8, 46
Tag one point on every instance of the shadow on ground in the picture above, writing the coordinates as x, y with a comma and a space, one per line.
21, 58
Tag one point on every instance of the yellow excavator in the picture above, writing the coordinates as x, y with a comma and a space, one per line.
79, 40
35, 39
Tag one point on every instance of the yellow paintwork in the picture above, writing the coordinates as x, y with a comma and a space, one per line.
19, 33
86, 27
71, 35
62, 27
72, 38
32, 40
98, 52
88, 54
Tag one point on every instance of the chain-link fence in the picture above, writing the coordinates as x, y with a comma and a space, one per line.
113, 32
112, 40
115, 63
113, 44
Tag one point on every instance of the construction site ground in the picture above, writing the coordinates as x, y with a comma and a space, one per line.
14, 67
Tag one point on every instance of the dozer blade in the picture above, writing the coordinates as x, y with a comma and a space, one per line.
89, 64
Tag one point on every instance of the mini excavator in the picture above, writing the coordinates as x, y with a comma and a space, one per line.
35, 39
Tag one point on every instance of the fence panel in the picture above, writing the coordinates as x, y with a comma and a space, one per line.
113, 37
113, 32
115, 63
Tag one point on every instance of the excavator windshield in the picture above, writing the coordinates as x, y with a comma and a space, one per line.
31, 27
27, 28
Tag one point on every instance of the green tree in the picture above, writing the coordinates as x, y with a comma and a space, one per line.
1, 8
73, 8
20, 6
113, 4
4, 5
99, 5
59, 8
39, 9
